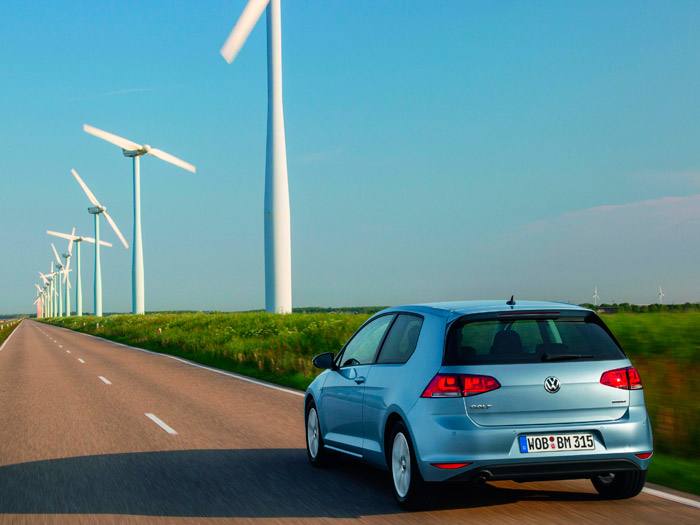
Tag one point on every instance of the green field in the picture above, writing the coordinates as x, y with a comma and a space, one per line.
663, 346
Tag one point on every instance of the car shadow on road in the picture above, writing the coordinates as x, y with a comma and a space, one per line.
219, 483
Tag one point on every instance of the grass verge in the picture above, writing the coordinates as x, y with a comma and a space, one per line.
7, 329
675, 473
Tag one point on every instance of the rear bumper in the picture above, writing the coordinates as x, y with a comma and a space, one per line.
547, 471
449, 437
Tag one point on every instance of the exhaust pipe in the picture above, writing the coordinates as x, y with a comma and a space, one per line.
480, 480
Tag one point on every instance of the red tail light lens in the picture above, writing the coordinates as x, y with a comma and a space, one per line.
459, 385
624, 378
451, 466
644, 455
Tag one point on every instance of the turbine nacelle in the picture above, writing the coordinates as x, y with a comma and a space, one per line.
137, 152
96, 210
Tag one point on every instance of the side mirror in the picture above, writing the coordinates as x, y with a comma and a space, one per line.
323, 361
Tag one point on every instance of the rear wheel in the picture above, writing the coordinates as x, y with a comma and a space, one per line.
411, 491
620, 485
318, 455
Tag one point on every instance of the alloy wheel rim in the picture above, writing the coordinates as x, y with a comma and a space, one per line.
401, 465
312, 433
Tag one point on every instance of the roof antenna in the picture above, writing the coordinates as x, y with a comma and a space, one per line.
511, 302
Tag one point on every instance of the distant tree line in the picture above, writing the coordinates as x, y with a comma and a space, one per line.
645, 308
338, 310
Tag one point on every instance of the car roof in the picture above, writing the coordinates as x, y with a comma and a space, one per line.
454, 309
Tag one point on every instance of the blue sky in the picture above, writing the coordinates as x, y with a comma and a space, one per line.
437, 150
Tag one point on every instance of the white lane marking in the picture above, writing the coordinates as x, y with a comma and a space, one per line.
105, 380
222, 372
672, 497
161, 424
81, 360
8, 338
68, 351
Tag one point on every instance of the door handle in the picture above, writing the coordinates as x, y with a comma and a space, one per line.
359, 380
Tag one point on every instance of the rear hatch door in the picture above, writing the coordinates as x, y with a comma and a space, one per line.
548, 365
523, 398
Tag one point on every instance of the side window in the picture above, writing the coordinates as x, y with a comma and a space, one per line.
363, 346
401, 341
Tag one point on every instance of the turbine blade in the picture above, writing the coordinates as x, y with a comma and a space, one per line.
116, 230
56, 254
249, 17
172, 159
63, 235
109, 137
37, 287
70, 244
87, 191
92, 241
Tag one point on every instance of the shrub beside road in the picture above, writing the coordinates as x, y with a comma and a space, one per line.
663, 346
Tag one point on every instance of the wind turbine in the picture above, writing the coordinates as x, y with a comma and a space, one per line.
39, 301
278, 251
596, 298
60, 286
79, 286
46, 294
49, 281
98, 210
661, 296
134, 150
66, 269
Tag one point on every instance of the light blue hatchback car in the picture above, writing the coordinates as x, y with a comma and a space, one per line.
479, 391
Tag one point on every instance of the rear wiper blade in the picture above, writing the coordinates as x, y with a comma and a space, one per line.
565, 357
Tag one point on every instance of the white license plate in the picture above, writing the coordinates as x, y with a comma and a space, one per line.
556, 443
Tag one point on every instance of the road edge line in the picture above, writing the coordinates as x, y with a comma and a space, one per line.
671, 497
192, 363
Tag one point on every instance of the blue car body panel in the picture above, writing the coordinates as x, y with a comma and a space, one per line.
354, 416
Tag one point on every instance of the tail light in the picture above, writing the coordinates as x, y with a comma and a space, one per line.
624, 378
459, 385
644, 455
450, 466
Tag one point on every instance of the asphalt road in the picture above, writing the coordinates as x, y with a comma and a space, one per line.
77, 445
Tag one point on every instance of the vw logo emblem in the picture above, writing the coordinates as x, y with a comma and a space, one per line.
552, 385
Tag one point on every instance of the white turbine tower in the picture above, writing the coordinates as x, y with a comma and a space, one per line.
278, 250
79, 287
596, 298
134, 150
97, 211
661, 296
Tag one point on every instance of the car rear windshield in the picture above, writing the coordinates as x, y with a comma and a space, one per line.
507, 340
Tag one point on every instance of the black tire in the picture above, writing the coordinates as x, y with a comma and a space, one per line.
413, 492
620, 485
321, 457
